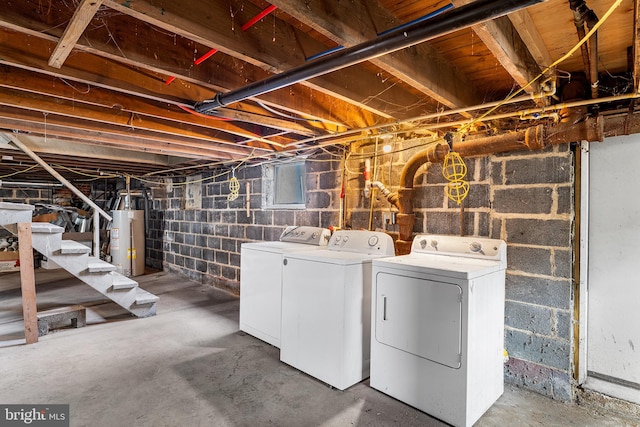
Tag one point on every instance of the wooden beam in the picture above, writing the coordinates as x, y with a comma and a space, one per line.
28, 283
142, 50
16, 140
90, 152
25, 51
531, 37
505, 43
100, 115
88, 70
28, 81
83, 15
118, 136
73, 136
211, 25
434, 77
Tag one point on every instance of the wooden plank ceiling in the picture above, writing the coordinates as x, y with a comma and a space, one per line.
114, 85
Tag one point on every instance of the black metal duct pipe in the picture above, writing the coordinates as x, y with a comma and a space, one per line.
462, 17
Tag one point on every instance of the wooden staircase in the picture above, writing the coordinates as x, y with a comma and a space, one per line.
74, 257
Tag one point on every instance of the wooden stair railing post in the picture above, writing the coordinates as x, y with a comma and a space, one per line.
28, 283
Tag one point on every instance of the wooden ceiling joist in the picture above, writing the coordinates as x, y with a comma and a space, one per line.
81, 18
28, 81
82, 66
435, 78
507, 46
79, 129
97, 71
211, 25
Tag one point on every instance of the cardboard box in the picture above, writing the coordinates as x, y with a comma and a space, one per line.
9, 255
9, 261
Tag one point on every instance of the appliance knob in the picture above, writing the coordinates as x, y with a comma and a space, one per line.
475, 247
373, 240
338, 238
423, 243
346, 239
314, 235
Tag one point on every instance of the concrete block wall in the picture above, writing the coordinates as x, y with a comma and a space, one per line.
525, 198
204, 244
29, 196
532, 196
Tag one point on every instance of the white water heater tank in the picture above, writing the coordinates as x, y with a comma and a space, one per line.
128, 242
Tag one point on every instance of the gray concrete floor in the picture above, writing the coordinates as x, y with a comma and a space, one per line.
191, 366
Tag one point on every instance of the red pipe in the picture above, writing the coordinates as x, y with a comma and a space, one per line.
258, 17
205, 56
245, 27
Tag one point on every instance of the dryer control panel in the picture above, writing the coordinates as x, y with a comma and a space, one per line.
362, 241
467, 246
308, 235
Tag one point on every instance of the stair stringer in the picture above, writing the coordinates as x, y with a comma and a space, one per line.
100, 275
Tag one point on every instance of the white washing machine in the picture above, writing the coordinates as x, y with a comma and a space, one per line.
438, 326
261, 279
326, 307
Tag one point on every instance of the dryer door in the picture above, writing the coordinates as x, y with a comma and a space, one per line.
419, 316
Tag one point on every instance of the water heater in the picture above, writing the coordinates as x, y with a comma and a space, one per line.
128, 242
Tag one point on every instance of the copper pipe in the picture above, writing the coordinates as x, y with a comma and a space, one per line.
528, 139
433, 154
533, 138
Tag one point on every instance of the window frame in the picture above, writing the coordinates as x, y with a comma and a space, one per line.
269, 178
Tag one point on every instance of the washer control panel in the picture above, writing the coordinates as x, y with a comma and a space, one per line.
309, 235
362, 241
467, 246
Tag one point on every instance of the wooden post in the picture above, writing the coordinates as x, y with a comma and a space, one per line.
28, 283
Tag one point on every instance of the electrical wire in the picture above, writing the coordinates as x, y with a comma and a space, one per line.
550, 67
19, 172
84, 173
466, 126
286, 116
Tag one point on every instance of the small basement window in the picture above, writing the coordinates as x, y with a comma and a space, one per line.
284, 185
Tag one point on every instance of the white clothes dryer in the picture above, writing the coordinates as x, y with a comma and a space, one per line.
326, 307
438, 326
261, 279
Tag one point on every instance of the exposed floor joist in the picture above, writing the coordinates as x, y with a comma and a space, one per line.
81, 18
436, 77
507, 46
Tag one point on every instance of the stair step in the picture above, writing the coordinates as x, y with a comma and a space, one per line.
16, 206
73, 247
45, 228
144, 297
96, 265
13, 213
121, 282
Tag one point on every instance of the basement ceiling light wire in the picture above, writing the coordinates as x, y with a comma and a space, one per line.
493, 105
465, 16
19, 172
566, 56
